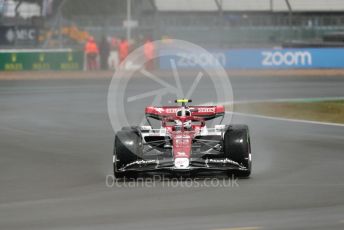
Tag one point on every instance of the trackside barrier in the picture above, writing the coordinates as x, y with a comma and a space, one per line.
304, 58
23, 60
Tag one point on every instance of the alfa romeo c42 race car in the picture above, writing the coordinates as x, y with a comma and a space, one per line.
183, 143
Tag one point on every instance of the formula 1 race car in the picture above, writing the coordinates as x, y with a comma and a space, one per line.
183, 143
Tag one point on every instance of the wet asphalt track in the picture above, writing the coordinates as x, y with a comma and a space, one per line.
56, 144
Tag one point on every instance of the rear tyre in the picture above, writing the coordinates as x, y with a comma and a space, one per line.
127, 149
237, 146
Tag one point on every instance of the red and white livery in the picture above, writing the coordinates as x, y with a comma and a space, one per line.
183, 143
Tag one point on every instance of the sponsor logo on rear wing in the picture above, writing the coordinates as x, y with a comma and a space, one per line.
200, 111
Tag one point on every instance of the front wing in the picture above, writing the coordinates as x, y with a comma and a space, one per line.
167, 165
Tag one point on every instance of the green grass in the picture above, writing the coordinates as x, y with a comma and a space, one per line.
324, 111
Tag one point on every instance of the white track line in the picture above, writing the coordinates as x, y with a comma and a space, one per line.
287, 119
278, 118
307, 99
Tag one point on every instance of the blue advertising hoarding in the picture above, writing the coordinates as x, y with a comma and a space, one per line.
304, 58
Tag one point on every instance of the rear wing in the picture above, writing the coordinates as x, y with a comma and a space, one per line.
206, 112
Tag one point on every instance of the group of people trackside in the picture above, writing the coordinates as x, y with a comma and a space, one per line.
111, 52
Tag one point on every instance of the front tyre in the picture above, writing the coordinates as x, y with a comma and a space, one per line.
237, 146
127, 149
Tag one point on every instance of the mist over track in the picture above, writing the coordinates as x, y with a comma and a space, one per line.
56, 146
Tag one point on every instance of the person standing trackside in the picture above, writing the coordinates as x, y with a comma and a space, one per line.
104, 52
149, 51
113, 59
123, 49
91, 51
